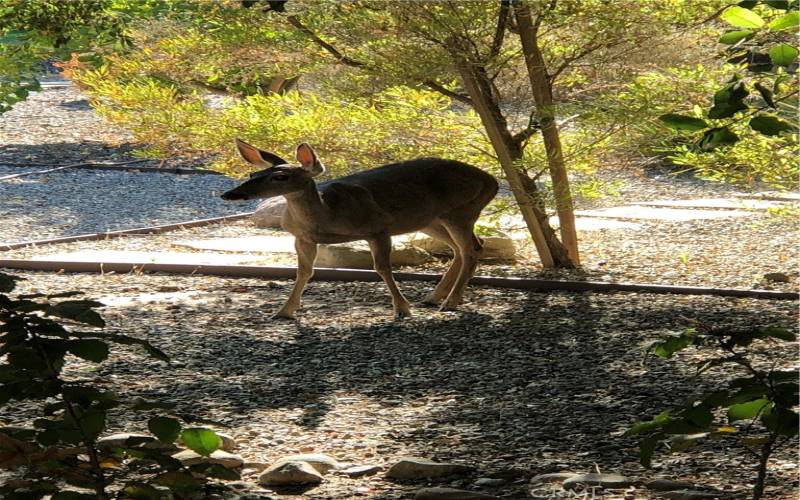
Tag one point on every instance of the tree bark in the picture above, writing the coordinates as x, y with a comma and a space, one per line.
551, 252
543, 97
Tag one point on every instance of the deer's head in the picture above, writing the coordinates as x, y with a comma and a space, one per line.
279, 177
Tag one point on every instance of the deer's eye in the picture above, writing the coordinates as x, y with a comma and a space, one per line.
280, 177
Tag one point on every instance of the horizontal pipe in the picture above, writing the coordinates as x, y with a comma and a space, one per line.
125, 232
331, 274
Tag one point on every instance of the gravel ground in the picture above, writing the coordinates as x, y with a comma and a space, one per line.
516, 383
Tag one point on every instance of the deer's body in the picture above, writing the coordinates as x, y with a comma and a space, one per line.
442, 198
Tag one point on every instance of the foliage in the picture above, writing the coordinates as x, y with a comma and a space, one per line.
762, 94
759, 403
61, 451
349, 134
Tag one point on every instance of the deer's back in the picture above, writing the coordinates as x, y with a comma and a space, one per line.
431, 182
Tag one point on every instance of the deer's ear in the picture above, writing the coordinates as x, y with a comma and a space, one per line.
308, 160
258, 157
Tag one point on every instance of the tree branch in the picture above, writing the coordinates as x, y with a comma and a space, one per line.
500, 30
433, 85
294, 21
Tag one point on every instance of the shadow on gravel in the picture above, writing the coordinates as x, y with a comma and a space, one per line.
549, 381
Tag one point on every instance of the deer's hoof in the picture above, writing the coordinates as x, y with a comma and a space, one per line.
449, 305
430, 301
283, 315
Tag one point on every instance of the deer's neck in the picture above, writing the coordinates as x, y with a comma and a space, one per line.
305, 210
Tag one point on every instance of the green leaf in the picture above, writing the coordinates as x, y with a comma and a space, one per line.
682, 122
717, 137
89, 349
93, 423
778, 4
201, 440
783, 54
790, 20
751, 409
729, 100
777, 332
742, 18
141, 491
781, 421
646, 448
732, 37
641, 427
770, 125
165, 429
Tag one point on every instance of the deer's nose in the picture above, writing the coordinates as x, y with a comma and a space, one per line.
233, 196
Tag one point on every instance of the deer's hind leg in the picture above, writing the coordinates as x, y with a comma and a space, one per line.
444, 286
469, 248
381, 248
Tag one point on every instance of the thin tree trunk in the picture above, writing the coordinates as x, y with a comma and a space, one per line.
763, 464
543, 97
551, 252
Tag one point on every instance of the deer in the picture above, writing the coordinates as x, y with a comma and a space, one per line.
441, 198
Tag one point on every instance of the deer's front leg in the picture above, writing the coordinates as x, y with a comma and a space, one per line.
306, 254
381, 248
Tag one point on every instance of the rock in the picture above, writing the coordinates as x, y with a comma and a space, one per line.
689, 494
451, 494
498, 247
132, 440
667, 485
777, 277
553, 477
356, 255
601, 480
290, 473
490, 482
223, 458
420, 468
269, 212
361, 470
319, 462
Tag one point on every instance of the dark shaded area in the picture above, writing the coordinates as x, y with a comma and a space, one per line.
544, 386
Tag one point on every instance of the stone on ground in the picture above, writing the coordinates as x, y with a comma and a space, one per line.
553, 477
452, 494
289, 474
602, 480
269, 212
356, 255
499, 247
777, 277
689, 494
223, 458
361, 470
421, 468
123, 440
320, 462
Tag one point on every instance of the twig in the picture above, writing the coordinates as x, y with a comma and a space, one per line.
73, 165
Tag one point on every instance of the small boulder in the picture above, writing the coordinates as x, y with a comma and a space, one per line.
496, 247
290, 474
490, 482
361, 470
452, 494
269, 212
553, 477
602, 480
356, 255
123, 440
421, 468
319, 462
223, 458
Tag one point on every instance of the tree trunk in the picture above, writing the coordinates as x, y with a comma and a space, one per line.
551, 252
543, 97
